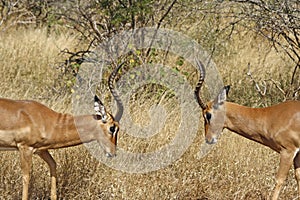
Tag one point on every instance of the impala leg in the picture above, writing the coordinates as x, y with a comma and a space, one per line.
297, 171
46, 156
286, 161
26, 163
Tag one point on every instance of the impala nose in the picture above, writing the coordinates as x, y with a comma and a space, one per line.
211, 141
110, 155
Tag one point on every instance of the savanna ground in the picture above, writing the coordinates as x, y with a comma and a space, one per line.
234, 169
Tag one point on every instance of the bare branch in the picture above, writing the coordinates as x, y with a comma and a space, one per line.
260, 92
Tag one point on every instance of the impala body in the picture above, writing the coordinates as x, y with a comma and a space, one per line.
277, 127
32, 128
33, 125
268, 126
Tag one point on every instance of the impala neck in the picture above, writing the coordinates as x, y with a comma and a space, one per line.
75, 130
248, 122
87, 127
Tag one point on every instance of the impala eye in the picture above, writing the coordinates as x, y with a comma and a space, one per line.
208, 116
112, 129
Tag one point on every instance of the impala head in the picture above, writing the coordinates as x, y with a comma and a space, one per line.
109, 124
214, 111
109, 127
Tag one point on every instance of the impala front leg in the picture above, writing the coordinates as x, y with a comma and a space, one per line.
26, 163
286, 160
46, 156
297, 171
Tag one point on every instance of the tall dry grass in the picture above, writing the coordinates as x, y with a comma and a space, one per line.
270, 69
235, 169
29, 63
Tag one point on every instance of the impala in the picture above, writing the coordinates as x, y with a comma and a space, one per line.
32, 128
277, 127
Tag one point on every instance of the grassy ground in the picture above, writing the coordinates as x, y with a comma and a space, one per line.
235, 169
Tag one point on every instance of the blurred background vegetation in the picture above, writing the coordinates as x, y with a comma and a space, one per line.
254, 42
255, 45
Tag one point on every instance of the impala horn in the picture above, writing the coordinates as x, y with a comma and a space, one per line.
199, 84
115, 94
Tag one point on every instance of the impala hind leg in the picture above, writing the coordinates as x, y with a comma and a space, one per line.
26, 163
46, 156
286, 161
297, 171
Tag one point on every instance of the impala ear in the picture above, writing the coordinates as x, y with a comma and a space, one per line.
100, 109
222, 96
227, 88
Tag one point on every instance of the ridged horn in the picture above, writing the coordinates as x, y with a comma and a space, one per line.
199, 84
116, 96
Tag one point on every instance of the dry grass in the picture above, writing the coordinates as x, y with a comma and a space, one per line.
265, 63
235, 169
29, 60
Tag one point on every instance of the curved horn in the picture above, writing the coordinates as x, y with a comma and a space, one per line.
199, 84
111, 79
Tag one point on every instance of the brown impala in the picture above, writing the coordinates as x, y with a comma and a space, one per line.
277, 127
32, 128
